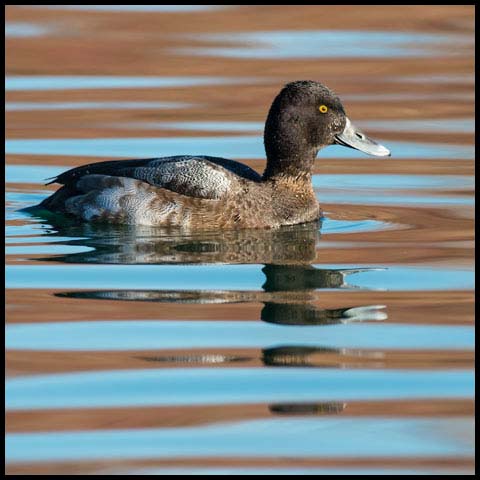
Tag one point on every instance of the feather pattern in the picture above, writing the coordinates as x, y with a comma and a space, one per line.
197, 176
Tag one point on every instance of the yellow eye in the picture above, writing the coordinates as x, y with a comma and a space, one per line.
323, 108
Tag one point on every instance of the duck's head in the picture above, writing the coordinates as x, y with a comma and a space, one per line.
305, 117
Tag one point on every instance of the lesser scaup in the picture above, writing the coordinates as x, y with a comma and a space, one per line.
201, 192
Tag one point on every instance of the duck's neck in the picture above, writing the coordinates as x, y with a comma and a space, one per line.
289, 152
299, 166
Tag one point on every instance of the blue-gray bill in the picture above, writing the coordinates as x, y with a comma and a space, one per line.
354, 138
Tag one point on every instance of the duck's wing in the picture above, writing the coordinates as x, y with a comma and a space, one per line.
195, 176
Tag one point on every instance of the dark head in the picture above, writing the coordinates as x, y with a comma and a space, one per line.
305, 117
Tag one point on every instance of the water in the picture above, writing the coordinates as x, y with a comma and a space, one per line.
345, 346
24, 29
29, 107
243, 277
328, 43
135, 8
227, 440
456, 125
19, 83
447, 126
245, 146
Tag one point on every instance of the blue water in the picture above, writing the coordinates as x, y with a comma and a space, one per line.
119, 105
312, 437
212, 277
18, 239
24, 30
330, 225
210, 386
27, 229
135, 8
46, 250
144, 335
237, 147
16, 83
297, 44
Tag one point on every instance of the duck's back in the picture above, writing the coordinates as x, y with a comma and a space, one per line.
152, 191
196, 176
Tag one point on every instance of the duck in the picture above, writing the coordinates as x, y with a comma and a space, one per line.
200, 192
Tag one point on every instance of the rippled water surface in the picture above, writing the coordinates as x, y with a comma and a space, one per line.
339, 347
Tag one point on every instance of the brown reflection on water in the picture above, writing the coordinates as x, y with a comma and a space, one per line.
184, 416
151, 34
453, 465
26, 362
142, 44
44, 305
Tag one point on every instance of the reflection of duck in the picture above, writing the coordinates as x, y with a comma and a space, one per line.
287, 253
150, 245
278, 307
303, 277
324, 408
310, 314
200, 192
327, 357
